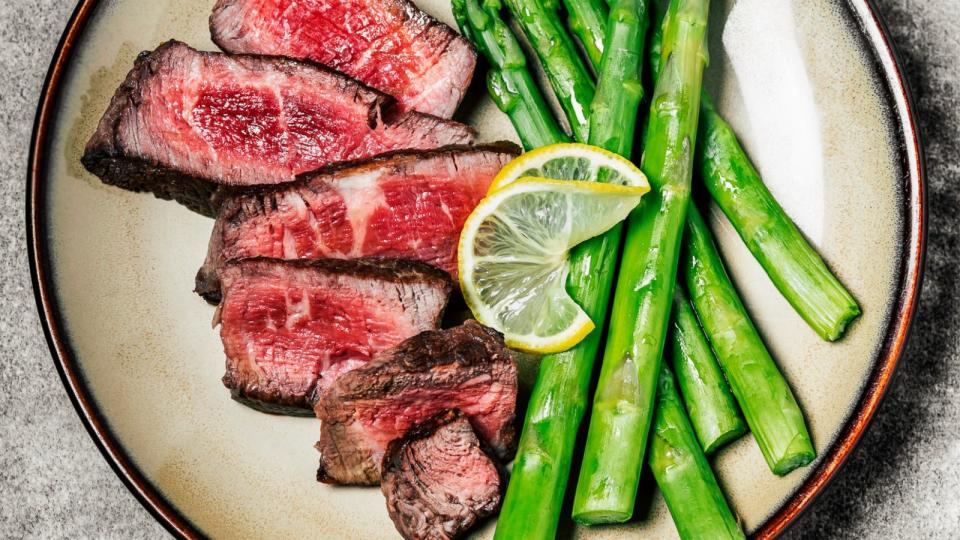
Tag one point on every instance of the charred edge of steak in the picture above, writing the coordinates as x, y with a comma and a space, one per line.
297, 408
396, 159
140, 176
434, 348
393, 468
394, 270
207, 285
400, 158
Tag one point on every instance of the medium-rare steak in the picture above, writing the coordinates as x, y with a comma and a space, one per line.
288, 326
410, 205
388, 44
185, 122
466, 368
439, 480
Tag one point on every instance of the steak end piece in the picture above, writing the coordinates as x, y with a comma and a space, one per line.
405, 205
466, 368
390, 45
439, 480
290, 327
184, 123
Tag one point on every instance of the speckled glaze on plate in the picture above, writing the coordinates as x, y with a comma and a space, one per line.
812, 88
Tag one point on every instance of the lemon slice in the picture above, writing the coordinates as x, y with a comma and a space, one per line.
572, 161
513, 256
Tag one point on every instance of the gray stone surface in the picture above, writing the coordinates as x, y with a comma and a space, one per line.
902, 482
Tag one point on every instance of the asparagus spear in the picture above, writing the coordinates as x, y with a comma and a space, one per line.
619, 89
764, 395
706, 394
791, 262
534, 497
683, 474
587, 20
623, 404
697, 505
568, 75
508, 81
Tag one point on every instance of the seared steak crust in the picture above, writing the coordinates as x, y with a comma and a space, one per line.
439, 480
291, 326
407, 205
467, 367
387, 44
185, 122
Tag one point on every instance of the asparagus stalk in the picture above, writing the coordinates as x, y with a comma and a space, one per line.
568, 75
620, 89
587, 20
508, 80
791, 262
534, 497
538, 482
706, 394
775, 241
624, 400
761, 390
697, 505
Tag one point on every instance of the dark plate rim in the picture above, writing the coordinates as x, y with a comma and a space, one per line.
891, 72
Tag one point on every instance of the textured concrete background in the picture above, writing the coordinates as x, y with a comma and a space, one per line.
902, 482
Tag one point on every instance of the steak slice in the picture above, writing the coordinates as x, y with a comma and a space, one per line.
467, 368
439, 480
185, 122
288, 326
387, 44
410, 205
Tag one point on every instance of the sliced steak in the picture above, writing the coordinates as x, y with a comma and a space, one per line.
439, 480
466, 368
185, 122
410, 205
388, 44
288, 326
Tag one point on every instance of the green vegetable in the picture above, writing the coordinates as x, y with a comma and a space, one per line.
706, 394
508, 81
531, 509
790, 261
683, 474
763, 394
613, 112
587, 20
568, 75
623, 404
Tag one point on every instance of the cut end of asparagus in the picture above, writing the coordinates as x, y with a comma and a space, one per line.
719, 442
839, 327
790, 463
601, 517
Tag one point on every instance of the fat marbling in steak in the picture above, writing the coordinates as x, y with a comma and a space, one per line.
289, 326
185, 122
409, 205
439, 479
466, 368
387, 44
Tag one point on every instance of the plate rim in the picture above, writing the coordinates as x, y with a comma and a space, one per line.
889, 68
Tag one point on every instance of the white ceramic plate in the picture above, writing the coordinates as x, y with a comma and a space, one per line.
814, 92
